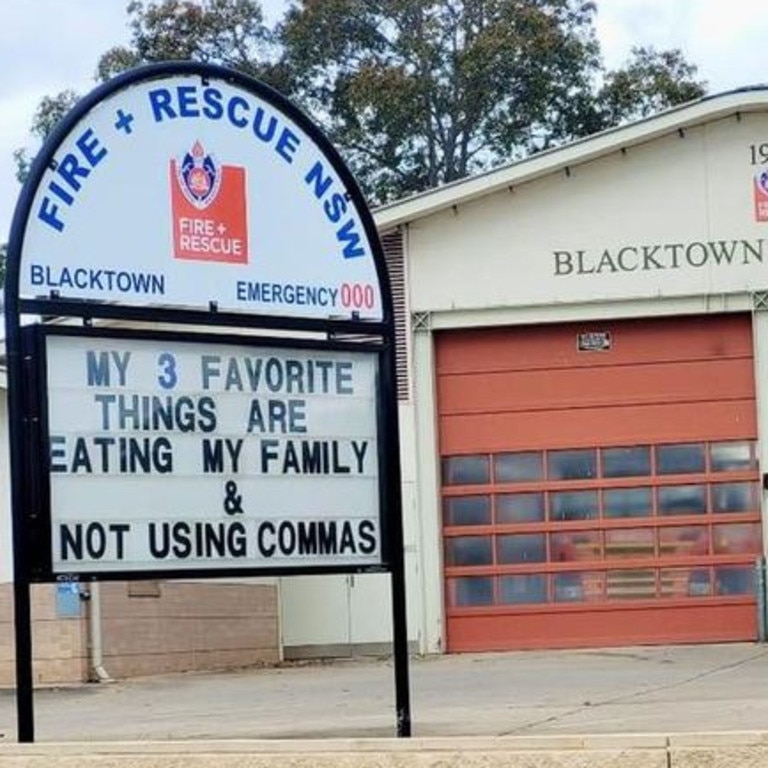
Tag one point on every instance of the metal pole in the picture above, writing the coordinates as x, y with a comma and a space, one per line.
20, 490
400, 637
396, 546
25, 713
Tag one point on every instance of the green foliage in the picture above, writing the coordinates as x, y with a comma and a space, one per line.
47, 115
650, 82
227, 32
414, 93
421, 92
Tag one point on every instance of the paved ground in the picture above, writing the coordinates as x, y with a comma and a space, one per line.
630, 690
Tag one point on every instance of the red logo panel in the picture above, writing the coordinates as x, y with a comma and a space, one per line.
208, 208
761, 196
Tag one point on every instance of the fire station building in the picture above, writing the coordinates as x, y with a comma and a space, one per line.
584, 394
583, 400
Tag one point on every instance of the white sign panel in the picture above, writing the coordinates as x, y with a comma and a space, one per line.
180, 455
182, 192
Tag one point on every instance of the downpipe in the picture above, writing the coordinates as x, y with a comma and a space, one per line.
97, 672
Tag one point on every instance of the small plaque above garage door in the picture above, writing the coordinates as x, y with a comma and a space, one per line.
594, 341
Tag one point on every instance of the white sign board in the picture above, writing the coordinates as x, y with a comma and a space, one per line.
201, 455
180, 191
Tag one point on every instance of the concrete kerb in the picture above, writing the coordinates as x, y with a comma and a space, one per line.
745, 749
703, 750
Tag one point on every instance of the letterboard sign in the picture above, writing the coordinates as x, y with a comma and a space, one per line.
198, 455
257, 433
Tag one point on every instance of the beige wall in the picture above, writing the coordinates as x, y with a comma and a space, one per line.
184, 627
693, 188
187, 626
59, 645
490, 261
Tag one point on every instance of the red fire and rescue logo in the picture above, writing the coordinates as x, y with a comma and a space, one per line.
760, 195
209, 208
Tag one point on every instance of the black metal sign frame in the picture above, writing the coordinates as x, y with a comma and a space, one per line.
41, 567
30, 497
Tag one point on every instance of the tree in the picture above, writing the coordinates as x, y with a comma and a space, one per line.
420, 92
650, 82
48, 113
415, 93
227, 32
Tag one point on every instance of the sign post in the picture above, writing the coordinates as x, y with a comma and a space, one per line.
191, 197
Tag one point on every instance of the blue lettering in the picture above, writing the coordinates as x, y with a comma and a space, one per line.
69, 169
96, 280
288, 293
265, 134
87, 279
335, 207
61, 193
346, 234
287, 144
234, 103
92, 151
48, 214
213, 109
147, 283
315, 176
188, 101
160, 101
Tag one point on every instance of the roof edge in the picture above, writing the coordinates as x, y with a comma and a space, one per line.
706, 109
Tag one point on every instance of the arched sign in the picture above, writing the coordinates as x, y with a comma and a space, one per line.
193, 187
190, 196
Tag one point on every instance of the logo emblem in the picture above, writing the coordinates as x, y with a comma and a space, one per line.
760, 194
208, 203
199, 177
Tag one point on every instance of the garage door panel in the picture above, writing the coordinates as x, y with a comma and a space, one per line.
599, 498
620, 625
574, 427
596, 386
546, 347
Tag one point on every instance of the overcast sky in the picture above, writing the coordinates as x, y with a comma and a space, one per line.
49, 45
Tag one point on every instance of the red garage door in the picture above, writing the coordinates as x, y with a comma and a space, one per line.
600, 483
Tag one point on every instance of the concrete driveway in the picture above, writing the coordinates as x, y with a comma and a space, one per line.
682, 689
